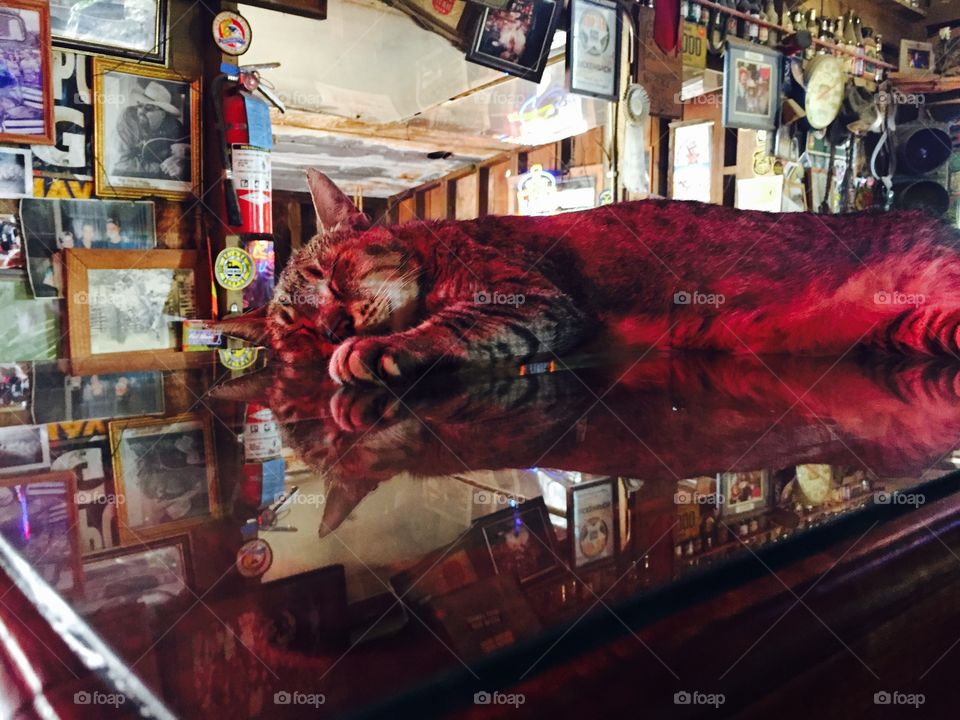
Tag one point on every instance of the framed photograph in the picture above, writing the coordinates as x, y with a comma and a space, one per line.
592, 521
520, 541
134, 29
151, 574
11, 245
88, 458
743, 492
69, 161
751, 86
916, 58
38, 517
165, 473
15, 386
593, 49
31, 330
691, 169
61, 397
53, 225
16, 173
516, 39
24, 448
121, 304
147, 131
26, 99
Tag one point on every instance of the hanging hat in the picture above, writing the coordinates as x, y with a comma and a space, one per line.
155, 94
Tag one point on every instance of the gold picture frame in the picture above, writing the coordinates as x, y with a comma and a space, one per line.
86, 296
163, 454
132, 102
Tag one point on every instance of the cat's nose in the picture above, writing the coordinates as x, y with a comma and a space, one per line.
341, 329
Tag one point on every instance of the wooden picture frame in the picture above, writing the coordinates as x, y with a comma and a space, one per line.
147, 442
594, 48
62, 524
593, 525
96, 34
88, 605
751, 86
32, 95
917, 59
114, 307
129, 99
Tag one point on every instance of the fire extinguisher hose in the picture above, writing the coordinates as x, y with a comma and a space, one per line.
234, 219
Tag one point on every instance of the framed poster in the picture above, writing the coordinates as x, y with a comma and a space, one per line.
53, 225
26, 98
122, 304
166, 475
520, 541
38, 516
592, 521
691, 149
88, 459
751, 86
743, 492
134, 29
517, 38
24, 448
593, 49
151, 574
16, 173
147, 131
70, 158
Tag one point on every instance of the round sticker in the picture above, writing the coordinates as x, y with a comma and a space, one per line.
254, 558
594, 534
238, 358
232, 33
234, 268
606, 197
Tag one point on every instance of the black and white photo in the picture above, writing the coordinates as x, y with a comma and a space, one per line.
517, 38
16, 177
60, 397
53, 225
24, 448
147, 131
126, 28
71, 155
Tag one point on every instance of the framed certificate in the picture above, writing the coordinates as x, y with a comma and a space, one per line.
593, 49
592, 522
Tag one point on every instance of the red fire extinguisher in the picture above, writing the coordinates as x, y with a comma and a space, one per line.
245, 142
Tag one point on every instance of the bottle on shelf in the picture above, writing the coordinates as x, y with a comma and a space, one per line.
881, 72
788, 22
813, 27
773, 35
733, 24
763, 32
859, 61
685, 9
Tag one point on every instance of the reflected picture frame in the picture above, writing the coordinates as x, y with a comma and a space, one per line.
30, 126
159, 433
120, 88
83, 31
593, 523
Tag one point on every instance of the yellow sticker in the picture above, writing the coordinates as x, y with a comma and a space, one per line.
238, 358
234, 268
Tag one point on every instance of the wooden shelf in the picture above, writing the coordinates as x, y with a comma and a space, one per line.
783, 31
906, 9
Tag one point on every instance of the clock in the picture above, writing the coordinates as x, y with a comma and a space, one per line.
826, 88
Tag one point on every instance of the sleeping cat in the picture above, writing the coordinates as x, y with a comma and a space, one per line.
387, 303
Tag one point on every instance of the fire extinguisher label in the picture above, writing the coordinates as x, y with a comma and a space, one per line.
251, 178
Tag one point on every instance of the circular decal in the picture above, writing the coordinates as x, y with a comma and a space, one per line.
254, 558
234, 268
238, 358
594, 535
594, 33
606, 197
232, 33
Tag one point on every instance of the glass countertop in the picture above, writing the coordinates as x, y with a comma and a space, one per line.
251, 543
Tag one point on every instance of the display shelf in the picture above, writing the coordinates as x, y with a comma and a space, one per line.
783, 31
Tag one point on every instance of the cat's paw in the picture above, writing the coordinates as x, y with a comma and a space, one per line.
364, 360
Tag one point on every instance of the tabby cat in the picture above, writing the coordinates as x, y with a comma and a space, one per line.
387, 303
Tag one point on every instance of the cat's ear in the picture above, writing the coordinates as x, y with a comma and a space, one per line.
333, 207
251, 326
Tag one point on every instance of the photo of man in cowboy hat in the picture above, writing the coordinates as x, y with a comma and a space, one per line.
153, 141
